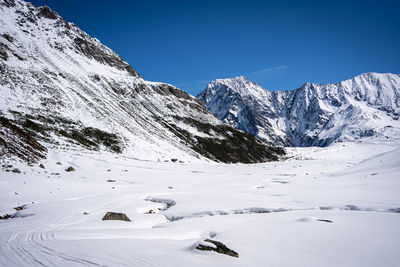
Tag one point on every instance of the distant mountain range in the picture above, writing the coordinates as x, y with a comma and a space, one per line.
312, 115
61, 88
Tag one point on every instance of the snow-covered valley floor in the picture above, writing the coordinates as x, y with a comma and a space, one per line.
269, 213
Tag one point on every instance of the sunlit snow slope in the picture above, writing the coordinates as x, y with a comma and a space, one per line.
314, 114
59, 86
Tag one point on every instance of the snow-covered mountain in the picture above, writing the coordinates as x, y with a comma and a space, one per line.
60, 87
312, 115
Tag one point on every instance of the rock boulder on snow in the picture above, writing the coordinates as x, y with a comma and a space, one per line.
217, 247
115, 216
70, 169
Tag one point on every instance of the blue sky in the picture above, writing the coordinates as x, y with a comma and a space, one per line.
279, 44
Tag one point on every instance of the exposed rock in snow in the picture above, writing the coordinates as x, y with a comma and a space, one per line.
14, 141
70, 169
212, 245
314, 114
115, 216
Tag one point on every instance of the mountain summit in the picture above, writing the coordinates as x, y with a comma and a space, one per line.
61, 88
312, 115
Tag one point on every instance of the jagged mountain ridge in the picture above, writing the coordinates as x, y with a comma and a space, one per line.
64, 88
312, 115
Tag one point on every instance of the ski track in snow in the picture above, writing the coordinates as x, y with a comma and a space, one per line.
29, 248
268, 203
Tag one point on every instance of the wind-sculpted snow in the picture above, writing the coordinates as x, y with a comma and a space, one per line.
334, 206
314, 114
65, 88
168, 202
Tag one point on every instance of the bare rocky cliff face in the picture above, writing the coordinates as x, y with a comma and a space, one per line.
61, 88
313, 115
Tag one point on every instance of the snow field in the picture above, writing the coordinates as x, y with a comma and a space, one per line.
335, 206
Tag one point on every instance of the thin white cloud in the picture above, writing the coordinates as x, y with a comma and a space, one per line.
270, 72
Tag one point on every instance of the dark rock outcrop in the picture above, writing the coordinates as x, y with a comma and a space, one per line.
115, 216
218, 247
85, 45
46, 12
6, 216
3, 55
15, 141
19, 208
70, 169
324, 220
8, 3
237, 146
41, 127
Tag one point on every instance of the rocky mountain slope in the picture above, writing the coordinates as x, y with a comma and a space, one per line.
61, 88
312, 115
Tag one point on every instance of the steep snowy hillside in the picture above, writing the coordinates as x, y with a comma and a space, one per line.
61, 87
314, 114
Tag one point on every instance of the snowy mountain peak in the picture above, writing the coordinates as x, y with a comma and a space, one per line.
314, 114
234, 81
233, 86
239, 84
